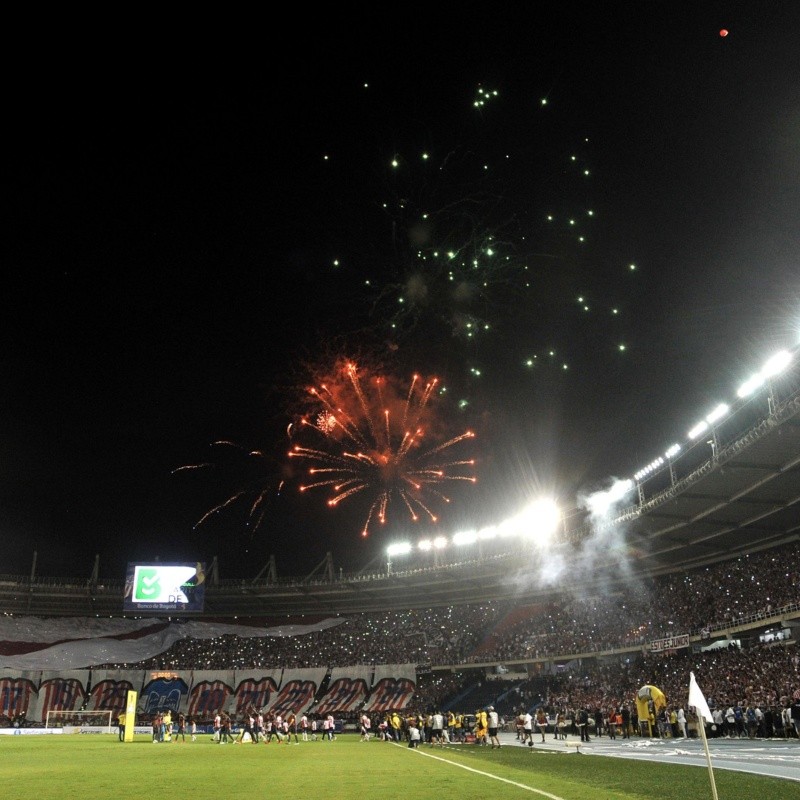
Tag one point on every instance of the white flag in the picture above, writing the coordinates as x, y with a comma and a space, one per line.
697, 699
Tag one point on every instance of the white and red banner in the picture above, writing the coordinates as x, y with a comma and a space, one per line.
347, 690
30, 643
393, 687
297, 690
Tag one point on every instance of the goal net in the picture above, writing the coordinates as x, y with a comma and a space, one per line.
103, 720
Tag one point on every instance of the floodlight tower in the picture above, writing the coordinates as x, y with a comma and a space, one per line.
670, 455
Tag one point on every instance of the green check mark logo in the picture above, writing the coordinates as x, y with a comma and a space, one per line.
147, 584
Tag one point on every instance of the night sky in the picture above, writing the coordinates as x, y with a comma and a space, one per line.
585, 225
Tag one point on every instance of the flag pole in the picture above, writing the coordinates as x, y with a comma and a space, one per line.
698, 701
702, 722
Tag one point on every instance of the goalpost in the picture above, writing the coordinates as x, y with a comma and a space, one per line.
103, 720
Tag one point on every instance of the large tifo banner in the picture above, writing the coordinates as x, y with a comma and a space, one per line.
202, 693
393, 686
49, 665
30, 643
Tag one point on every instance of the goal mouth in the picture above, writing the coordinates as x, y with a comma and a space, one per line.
75, 721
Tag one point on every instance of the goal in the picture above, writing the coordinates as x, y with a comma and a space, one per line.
96, 720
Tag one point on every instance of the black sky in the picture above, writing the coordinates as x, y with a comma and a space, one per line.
175, 225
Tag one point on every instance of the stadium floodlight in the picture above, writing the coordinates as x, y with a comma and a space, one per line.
399, 549
540, 520
750, 385
490, 532
465, 537
698, 430
440, 542
773, 366
776, 364
425, 544
672, 451
651, 467
718, 413
513, 526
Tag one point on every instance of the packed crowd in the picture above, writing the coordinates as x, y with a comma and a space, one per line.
713, 597
706, 599
391, 637
753, 693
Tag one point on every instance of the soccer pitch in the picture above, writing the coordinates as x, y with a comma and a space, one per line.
100, 766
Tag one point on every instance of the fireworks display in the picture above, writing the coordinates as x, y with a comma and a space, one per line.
478, 244
367, 440
573, 220
254, 482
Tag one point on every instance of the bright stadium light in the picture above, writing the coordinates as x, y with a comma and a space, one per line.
698, 429
513, 526
773, 366
490, 532
718, 413
440, 542
425, 544
465, 537
399, 549
776, 364
750, 385
673, 451
540, 520
651, 467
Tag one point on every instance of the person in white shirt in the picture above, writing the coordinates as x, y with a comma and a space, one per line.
437, 726
217, 726
527, 729
682, 723
366, 724
730, 722
494, 724
413, 736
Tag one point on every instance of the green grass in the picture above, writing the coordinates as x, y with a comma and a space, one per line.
99, 766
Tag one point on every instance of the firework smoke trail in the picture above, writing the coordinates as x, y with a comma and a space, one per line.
387, 429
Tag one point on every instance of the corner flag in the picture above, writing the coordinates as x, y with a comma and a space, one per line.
697, 699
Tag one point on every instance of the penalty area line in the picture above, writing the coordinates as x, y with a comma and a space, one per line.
486, 774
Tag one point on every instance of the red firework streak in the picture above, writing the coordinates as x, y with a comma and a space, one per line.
373, 442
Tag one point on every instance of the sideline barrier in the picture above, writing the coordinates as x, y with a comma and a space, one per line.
29, 731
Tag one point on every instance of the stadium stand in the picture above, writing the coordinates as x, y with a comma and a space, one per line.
701, 572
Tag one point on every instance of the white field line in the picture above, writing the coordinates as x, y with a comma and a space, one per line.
486, 774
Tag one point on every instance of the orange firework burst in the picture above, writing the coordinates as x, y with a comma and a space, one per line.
375, 441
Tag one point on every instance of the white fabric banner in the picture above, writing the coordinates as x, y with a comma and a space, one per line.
110, 688
255, 689
210, 691
75, 642
298, 687
347, 690
393, 688
50, 630
301, 630
64, 690
396, 671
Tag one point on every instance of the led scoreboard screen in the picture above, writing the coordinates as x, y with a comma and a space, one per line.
158, 587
